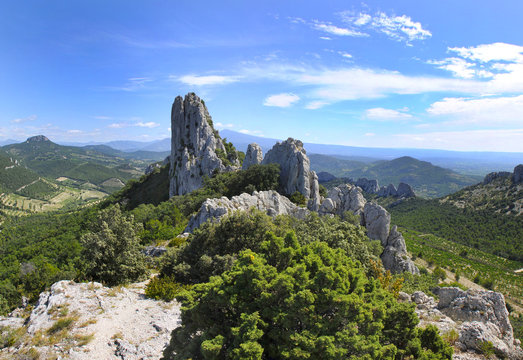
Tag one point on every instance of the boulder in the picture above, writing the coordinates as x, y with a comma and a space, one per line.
151, 167
377, 222
389, 190
295, 172
269, 201
196, 148
517, 177
395, 257
343, 198
154, 251
369, 186
485, 318
405, 191
253, 156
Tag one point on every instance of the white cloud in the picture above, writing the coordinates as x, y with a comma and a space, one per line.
325, 38
281, 100
26, 119
251, 132
149, 125
491, 52
102, 117
460, 67
468, 140
195, 80
220, 126
74, 131
345, 54
335, 30
399, 28
117, 125
387, 114
484, 111
316, 105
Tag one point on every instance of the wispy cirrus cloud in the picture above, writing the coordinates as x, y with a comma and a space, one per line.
399, 28
23, 120
331, 29
387, 114
121, 125
203, 80
281, 100
483, 111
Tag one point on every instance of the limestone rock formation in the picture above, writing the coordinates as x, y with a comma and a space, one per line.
389, 190
343, 198
377, 221
478, 316
37, 138
518, 174
369, 186
395, 257
151, 167
295, 173
253, 156
196, 148
118, 323
495, 175
405, 191
269, 201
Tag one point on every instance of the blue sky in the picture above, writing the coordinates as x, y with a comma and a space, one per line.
420, 74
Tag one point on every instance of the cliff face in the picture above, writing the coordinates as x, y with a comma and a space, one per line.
295, 174
196, 148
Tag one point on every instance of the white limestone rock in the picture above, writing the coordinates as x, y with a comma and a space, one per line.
369, 186
253, 156
194, 146
295, 172
269, 201
377, 221
343, 198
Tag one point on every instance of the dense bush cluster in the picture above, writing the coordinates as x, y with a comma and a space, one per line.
292, 301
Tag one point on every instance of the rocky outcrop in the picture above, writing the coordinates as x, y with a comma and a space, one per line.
377, 222
517, 177
196, 148
268, 201
295, 173
477, 316
395, 257
389, 190
102, 323
343, 198
151, 167
369, 186
37, 138
496, 175
253, 156
154, 251
405, 191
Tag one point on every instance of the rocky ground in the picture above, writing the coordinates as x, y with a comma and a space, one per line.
90, 321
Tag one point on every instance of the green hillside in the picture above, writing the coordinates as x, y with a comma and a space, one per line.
427, 180
12, 175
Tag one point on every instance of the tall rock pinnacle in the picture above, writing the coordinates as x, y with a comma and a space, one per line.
196, 148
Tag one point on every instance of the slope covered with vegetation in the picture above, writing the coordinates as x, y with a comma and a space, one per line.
427, 180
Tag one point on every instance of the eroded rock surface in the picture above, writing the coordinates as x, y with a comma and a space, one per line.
389, 190
405, 191
253, 156
343, 198
270, 202
477, 316
377, 222
517, 176
369, 186
103, 323
196, 148
295, 172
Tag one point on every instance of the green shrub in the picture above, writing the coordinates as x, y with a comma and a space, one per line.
112, 249
439, 273
290, 301
165, 288
298, 198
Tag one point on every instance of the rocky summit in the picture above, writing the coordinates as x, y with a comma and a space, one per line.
253, 156
295, 173
196, 148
